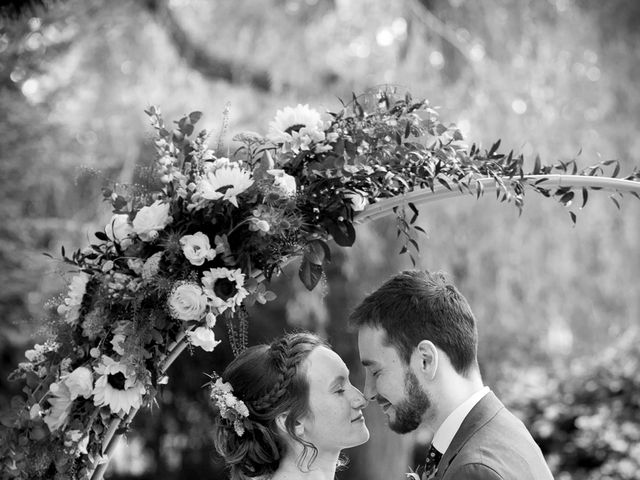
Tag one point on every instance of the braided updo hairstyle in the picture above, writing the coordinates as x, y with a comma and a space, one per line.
270, 380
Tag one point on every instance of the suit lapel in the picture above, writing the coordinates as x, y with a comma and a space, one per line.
480, 414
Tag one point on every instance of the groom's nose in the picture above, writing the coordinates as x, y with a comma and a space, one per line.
370, 391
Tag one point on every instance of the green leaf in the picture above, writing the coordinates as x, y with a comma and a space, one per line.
415, 213
536, 165
613, 199
585, 196
443, 181
187, 129
310, 274
194, 117
494, 149
317, 252
566, 198
342, 232
102, 236
616, 170
573, 217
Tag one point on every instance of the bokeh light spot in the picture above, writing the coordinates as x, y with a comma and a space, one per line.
436, 59
519, 106
384, 37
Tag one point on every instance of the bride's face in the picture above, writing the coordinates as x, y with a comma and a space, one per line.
336, 420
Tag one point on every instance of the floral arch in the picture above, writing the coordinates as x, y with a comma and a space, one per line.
199, 242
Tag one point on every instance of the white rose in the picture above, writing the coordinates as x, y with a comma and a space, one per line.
285, 182
79, 382
187, 301
197, 248
120, 230
358, 202
151, 219
204, 338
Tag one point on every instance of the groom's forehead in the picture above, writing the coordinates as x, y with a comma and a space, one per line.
373, 345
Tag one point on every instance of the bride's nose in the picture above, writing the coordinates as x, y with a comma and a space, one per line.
359, 400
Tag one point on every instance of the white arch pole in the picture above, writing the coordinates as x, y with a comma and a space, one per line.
385, 207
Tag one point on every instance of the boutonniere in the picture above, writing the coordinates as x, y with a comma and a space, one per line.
417, 474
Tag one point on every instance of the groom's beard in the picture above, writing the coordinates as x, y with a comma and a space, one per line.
410, 411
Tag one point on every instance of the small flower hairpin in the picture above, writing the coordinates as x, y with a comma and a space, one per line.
231, 408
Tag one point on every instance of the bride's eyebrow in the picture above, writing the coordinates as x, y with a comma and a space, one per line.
337, 381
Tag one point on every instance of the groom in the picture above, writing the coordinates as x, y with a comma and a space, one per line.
418, 343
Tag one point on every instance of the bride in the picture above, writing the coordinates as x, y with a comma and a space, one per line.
286, 411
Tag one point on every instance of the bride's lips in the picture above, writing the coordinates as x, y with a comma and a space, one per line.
358, 418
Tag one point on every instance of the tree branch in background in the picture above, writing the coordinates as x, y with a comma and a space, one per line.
201, 60
420, 9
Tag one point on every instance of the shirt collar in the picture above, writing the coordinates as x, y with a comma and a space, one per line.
444, 435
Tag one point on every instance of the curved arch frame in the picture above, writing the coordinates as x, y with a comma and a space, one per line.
376, 211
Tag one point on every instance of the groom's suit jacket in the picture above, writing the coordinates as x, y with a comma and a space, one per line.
492, 444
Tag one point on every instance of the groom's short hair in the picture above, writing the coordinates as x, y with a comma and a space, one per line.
417, 305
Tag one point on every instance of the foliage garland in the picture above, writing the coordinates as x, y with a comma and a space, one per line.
201, 241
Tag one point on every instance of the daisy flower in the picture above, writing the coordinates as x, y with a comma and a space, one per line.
116, 387
224, 288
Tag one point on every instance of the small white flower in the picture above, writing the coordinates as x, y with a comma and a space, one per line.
151, 219
136, 264
187, 301
210, 320
77, 438
70, 309
204, 338
225, 182
117, 342
34, 411
151, 266
284, 182
358, 201
224, 288
119, 230
197, 248
79, 382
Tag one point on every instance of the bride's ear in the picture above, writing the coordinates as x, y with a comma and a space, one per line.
298, 427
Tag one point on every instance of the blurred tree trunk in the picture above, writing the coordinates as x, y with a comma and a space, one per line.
386, 455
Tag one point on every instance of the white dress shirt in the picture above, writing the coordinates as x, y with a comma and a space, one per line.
444, 435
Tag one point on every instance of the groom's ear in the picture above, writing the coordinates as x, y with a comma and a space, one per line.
425, 358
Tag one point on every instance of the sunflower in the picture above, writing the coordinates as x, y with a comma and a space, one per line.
116, 387
224, 287
226, 182
297, 128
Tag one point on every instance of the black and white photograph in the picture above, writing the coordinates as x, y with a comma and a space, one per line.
320, 240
